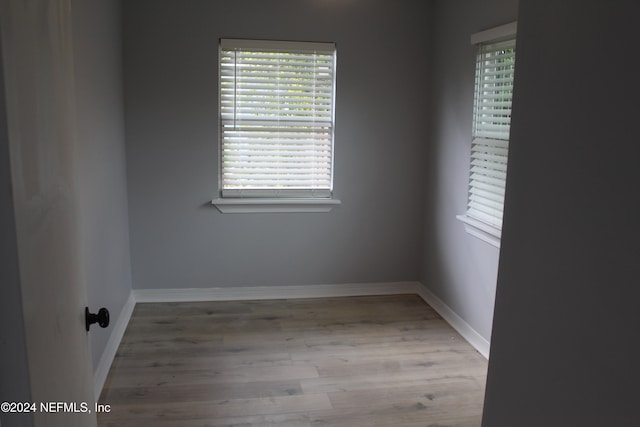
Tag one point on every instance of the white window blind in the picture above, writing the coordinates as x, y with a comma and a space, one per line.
491, 121
276, 118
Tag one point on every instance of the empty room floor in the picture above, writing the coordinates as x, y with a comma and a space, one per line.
355, 361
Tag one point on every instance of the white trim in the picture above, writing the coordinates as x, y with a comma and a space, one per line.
260, 205
119, 328
273, 292
503, 31
481, 230
278, 45
457, 322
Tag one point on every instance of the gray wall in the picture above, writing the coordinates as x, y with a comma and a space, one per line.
459, 268
179, 240
97, 38
565, 345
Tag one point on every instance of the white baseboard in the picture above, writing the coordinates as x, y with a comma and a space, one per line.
119, 327
457, 322
273, 292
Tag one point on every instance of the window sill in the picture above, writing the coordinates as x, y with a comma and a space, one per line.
481, 230
256, 205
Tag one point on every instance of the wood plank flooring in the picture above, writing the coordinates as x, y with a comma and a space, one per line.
358, 361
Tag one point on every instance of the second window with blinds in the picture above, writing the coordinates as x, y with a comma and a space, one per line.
495, 65
276, 126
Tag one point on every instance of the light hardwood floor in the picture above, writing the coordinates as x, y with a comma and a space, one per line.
357, 361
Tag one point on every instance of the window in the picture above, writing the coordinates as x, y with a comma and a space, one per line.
495, 64
276, 123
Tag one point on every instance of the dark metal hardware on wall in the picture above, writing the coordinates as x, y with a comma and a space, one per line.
102, 318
